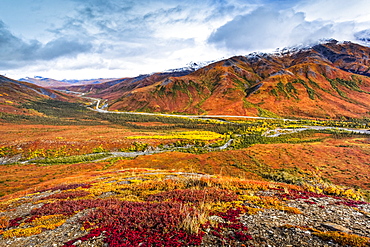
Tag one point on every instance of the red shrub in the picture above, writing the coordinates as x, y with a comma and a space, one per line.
195, 196
67, 187
139, 224
14, 222
232, 231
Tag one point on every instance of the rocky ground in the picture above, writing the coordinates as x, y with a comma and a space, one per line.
311, 218
273, 227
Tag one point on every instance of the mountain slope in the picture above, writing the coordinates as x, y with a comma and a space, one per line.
114, 88
326, 81
15, 93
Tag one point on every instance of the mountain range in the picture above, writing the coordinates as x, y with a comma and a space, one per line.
51, 83
326, 81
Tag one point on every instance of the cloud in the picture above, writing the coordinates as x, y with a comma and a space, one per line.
335, 10
363, 36
133, 37
262, 29
267, 28
127, 30
14, 50
63, 47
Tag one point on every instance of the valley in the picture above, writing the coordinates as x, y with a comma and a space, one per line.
249, 151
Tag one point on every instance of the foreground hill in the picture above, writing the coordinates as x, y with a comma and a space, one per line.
326, 81
145, 207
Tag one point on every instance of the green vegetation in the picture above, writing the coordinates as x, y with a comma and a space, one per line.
285, 175
135, 147
265, 113
288, 90
54, 112
71, 159
60, 109
334, 84
311, 92
246, 140
291, 90
245, 132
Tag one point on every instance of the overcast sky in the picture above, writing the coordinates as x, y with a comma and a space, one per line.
82, 39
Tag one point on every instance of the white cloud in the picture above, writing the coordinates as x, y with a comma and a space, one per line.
335, 10
132, 37
262, 29
115, 38
270, 28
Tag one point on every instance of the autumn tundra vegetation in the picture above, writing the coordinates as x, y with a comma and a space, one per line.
63, 164
73, 176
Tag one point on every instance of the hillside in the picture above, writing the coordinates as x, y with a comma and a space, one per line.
326, 81
114, 88
147, 207
14, 94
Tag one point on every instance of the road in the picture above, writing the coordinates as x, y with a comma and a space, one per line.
277, 131
204, 117
281, 131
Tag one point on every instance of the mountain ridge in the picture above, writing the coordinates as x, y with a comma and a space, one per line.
13, 94
329, 80
53, 83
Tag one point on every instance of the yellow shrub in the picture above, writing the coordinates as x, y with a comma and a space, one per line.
292, 210
224, 206
49, 222
341, 191
136, 181
344, 238
4, 222
190, 135
22, 232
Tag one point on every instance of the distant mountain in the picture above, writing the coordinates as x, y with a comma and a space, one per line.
328, 80
113, 89
192, 66
52, 83
15, 93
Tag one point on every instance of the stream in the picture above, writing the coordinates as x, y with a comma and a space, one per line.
270, 133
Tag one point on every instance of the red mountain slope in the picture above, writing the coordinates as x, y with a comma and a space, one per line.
14, 93
326, 81
115, 88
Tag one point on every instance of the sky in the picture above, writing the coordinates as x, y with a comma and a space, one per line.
84, 39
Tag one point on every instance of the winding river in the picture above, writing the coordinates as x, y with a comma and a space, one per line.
270, 133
